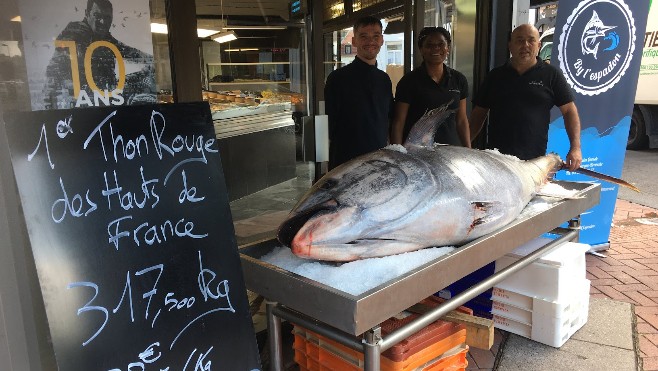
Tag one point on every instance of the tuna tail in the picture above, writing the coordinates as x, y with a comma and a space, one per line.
422, 133
607, 178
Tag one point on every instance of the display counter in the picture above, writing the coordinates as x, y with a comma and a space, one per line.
257, 147
229, 76
255, 85
245, 109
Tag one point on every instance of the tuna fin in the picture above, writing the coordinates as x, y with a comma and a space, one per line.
422, 133
484, 212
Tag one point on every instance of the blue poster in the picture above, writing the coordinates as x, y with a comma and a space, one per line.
598, 47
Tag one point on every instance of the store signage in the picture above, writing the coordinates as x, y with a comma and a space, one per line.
298, 8
130, 228
599, 48
88, 54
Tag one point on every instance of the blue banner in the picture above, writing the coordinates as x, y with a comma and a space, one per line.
598, 47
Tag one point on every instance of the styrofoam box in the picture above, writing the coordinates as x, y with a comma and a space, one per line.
524, 308
553, 336
550, 323
550, 277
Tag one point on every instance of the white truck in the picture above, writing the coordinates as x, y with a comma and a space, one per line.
644, 123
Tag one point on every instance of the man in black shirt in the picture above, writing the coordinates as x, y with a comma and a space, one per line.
518, 97
359, 98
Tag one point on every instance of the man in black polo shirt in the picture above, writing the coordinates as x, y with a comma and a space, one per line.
518, 97
359, 98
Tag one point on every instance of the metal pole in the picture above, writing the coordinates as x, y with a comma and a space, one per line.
274, 336
443, 309
371, 349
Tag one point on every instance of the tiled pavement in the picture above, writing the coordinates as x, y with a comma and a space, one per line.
628, 272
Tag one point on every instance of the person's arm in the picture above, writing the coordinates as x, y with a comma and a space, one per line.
572, 125
478, 115
399, 118
463, 128
130, 53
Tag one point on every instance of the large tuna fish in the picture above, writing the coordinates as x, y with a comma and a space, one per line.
401, 199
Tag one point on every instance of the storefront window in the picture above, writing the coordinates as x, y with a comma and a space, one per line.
395, 55
60, 54
333, 9
254, 77
261, 71
14, 93
361, 4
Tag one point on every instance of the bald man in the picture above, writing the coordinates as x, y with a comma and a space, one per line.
518, 97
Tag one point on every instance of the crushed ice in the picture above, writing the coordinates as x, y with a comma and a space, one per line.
349, 277
543, 203
396, 147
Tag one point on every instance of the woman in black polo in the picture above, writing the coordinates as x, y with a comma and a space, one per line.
429, 86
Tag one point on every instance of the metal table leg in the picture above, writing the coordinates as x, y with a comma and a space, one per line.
371, 349
274, 336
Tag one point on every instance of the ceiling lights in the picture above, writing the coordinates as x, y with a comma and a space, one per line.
255, 27
162, 28
241, 50
223, 37
202, 32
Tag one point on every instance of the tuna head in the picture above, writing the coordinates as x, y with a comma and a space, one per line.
354, 210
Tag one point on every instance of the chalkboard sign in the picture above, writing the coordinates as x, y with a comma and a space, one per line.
131, 231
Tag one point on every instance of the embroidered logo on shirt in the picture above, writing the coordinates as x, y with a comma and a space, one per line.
454, 90
536, 83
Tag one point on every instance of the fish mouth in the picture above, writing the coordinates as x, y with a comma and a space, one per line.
289, 228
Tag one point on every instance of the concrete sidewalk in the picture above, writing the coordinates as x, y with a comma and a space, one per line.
622, 330
606, 342
629, 273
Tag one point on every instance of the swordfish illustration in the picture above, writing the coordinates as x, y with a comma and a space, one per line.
405, 198
593, 33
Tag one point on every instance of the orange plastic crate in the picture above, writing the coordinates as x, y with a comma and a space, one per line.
452, 360
316, 352
419, 341
431, 348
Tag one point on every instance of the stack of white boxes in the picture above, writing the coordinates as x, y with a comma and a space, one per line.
548, 300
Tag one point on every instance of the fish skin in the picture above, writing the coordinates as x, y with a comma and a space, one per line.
393, 201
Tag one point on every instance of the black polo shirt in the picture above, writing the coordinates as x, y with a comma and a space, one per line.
422, 94
359, 102
519, 107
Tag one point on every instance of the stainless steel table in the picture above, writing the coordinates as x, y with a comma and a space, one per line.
343, 317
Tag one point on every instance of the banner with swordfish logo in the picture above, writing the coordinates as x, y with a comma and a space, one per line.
598, 47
